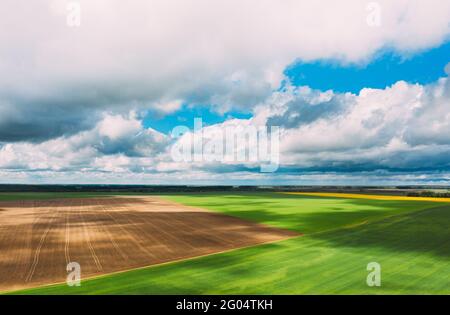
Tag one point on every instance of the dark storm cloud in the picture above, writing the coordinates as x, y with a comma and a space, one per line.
39, 123
301, 111
143, 144
45, 115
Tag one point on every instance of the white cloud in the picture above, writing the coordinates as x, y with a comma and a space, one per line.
167, 107
79, 91
116, 143
155, 54
404, 126
117, 126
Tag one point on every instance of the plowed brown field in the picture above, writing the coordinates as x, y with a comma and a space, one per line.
39, 238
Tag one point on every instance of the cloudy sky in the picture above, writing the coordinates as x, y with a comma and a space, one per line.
91, 90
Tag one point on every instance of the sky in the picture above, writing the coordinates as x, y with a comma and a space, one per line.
109, 91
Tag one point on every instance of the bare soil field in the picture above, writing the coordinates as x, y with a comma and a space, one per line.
39, 238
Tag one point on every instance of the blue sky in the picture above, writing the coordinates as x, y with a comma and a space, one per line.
384, 69
185, 116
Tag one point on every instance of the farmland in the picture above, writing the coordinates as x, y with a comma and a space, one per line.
336, 239
39, 238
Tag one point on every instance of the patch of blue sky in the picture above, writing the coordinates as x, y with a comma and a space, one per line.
384, 70
185, 116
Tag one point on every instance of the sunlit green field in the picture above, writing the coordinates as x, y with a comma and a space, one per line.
409, 239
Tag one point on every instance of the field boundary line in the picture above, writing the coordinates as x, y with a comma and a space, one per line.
88, 240
220, 213
345, 227
67, 235
368, 196
37, 252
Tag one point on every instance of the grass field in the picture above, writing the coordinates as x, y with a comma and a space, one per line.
410, 240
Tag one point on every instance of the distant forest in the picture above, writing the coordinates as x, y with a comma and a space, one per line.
413, 191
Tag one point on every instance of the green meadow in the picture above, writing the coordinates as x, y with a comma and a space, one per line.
409, 239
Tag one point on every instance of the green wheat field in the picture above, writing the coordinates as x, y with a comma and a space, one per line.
340, 236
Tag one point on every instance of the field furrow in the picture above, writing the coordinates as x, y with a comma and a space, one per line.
105, 235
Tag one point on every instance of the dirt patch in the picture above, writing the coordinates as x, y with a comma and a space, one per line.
39, 238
